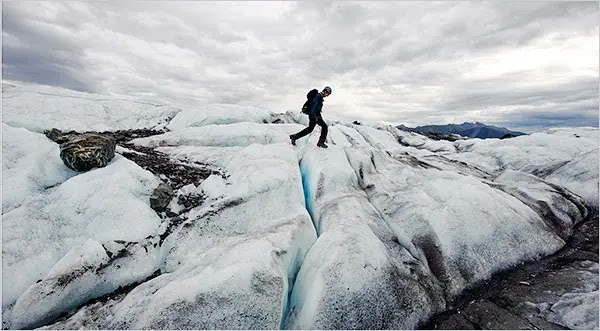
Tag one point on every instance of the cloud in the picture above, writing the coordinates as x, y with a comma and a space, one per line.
485, 95
400, 62
36, 50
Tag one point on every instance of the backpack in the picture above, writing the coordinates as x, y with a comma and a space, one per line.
310, 97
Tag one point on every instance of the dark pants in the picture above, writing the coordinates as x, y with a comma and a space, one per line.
311, 127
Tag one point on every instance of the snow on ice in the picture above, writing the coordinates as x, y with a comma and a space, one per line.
39, 107
218, 114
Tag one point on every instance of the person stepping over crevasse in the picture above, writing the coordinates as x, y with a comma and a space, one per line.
313, 107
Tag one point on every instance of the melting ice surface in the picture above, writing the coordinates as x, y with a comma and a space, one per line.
378, 231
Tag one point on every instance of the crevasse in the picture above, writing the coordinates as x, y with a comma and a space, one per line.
305, 173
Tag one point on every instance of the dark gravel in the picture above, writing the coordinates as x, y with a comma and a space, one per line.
498, 302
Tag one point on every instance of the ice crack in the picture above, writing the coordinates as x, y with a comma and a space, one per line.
305, 173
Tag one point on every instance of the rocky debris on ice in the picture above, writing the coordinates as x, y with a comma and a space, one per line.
177, 174
119, 136
556, 292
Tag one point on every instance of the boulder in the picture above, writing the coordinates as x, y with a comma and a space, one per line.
87, 151
161, 197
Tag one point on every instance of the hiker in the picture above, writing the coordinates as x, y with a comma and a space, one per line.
314, 117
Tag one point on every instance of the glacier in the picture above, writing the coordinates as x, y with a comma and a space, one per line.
380, 231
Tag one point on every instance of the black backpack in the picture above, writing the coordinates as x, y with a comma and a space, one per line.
310, 96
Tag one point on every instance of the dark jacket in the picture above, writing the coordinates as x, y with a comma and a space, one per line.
317, 105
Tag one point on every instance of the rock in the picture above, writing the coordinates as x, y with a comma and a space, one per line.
161, 197
87, 151
53, 134
281, 118
487, 315
170, 213
124, 136
191, 201
178, 174
441, 136
59, 136
541, 324
531, 290
455, 322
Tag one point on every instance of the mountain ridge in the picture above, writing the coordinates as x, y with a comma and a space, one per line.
466, 129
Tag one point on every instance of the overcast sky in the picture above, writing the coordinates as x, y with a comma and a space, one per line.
524, 65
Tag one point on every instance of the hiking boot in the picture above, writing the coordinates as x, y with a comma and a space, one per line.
293, 139
322, 145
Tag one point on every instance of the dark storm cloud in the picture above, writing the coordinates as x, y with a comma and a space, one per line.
37, 51
50, 69
401, 62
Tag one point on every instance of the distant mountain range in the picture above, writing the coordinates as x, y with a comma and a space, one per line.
467, 129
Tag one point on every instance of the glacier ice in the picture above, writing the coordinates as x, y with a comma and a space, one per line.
109, 203
39, 107
29, 165
218, 114
380, 230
